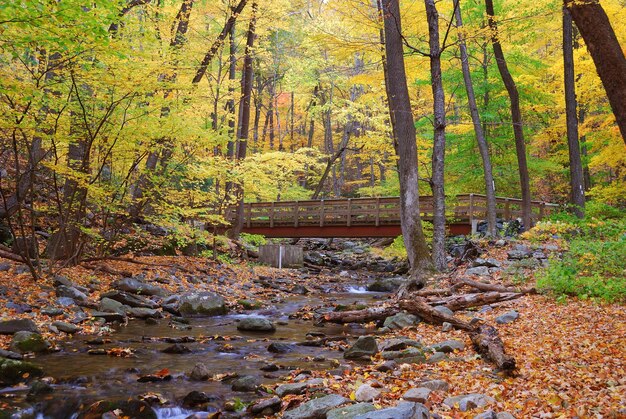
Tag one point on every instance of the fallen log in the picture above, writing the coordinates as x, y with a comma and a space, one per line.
487, 342
465, 301
422, 309
360, 316
483, 286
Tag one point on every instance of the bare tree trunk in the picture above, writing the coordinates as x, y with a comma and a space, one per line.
270, 111
244, 121
404, 128
583, 152
575, 163
439, 140
516, 116
230, 104
483, 147
607, 54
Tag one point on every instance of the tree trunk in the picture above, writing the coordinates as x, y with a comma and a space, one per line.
270, 111
404, 128
516, 116
607, 54
575, 164
439, 139
483, 147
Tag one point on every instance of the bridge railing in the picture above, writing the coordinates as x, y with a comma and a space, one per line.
375, 211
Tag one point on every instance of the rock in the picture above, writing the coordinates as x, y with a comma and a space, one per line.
489, 262
13, 371
478, 271
435, 385
52, 311
273, 404
387, 366
386, 284
467, 402
66, 327
65, 301
196, 398
256, 324
111, 306
10, 355
489, 414
444, 310
519, 252
297, 388
71, 292
393, 345
129, 299
365, 346
404, 410
109, 317
300, 289
137, 286
507, 415
4, 267
144, 313
10, 327
245, 383
62, 280
507, 317
446, 327
201, 304
269, 368
350, 411
176, 349
200, 372
436, 357
280, 348
400, 321
406, 353
316, 408
38, 389
418, 395
29, 342
366, 393
135, 409
448, 346
19, 308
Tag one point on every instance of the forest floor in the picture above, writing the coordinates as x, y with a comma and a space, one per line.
570, 355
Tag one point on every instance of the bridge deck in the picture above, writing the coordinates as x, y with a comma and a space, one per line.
368, 217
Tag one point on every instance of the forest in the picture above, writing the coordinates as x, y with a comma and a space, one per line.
450, 174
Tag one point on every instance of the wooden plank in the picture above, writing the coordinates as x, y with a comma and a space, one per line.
322, 213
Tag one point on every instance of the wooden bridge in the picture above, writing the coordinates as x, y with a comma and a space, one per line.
370, 217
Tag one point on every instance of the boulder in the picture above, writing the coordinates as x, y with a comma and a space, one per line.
201, 304
265, 405
10, 327
386, 284
246, 383
435, 385
448, 346
404, 410
387, 366
520, 251
256, 324
13, 371
400, 321
200, 372
280, 348
196, 398
366, 393
71, 292
418, 395
507, 317
364, 347
129, 299
467, 402
393, 345
316, 408
111, 306
29, 342
489, 262
444, 310
66, 327
144, 313
137, 286
478, 271
350, 411
297, 388
109, 317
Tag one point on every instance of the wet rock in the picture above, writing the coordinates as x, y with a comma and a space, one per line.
280, 348
256, 324
508, 317
144, 313
201, 304
129, 299
448, 346
478, 271
66, 327
387, 366
435, 385
197, 398
10, 355
13, 371
137, 286
404, 410
418, 395
10, 327
29, 342
364, 347
269, 368
71, 292
200, 372
386, 284
176, 349
467, 402
297, 388
245, 383
272, 404
109, 317
38, 389
135, 409
366, 393
99, 351
316, 408
348, 412
400, 321
444, 310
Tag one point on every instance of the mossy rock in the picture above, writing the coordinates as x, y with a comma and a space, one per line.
13, 371
29, 342
136, 409
250, 304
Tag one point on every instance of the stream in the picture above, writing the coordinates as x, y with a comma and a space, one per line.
82, 378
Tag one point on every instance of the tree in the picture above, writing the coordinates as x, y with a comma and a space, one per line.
575, 164
516, 115
596, 30
406, 148
483, 147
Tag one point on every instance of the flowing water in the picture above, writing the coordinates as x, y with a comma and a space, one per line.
83, 378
